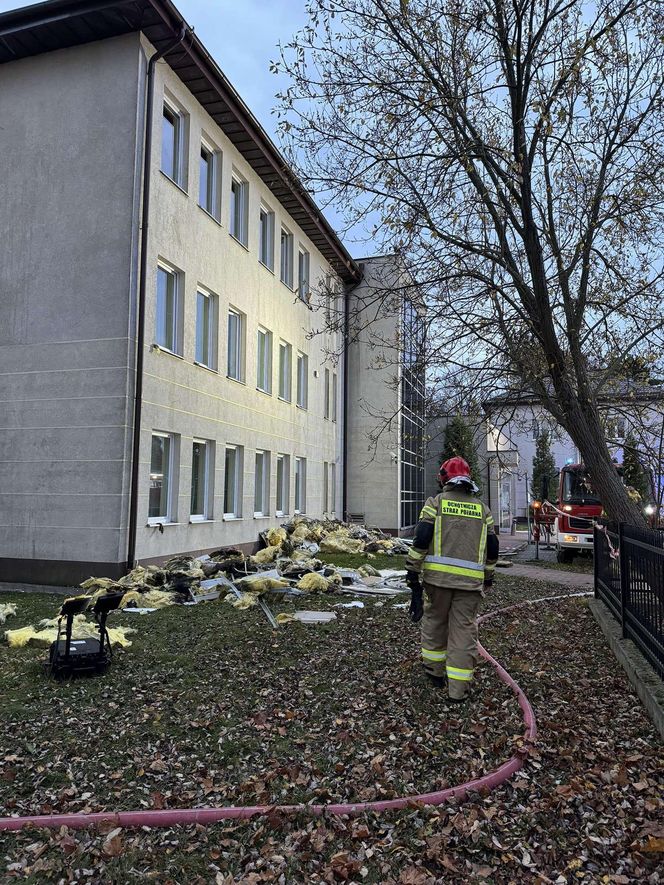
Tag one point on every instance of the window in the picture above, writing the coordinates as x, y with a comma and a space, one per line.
239, 200
326, 395
326, 482
266, 238
333, 489
235, 368
334, 396
285, 357
206, 329
302, 380
168, 318
201, 480
300, 485
173, 124
262, 484
303, 275
208, 183
233, 482
161, 471
287, 257
264, 361
283, 484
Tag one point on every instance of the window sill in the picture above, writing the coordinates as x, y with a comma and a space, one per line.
174, 182
238, 241
265, 392
284, 400
207, 368
282, 515
232, 518
155, 522
302, 408
236, 380
288, 285
158, 348
266, 266
212, 217
197, 520
261, 516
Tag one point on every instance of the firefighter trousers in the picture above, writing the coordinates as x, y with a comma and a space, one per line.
449, 635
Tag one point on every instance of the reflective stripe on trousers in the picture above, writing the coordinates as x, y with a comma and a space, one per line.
435, 655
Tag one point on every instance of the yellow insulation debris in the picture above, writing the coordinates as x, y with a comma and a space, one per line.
283, 618
312, 583
7, 610
257, 584
267, 554
46, 632
246, 600
339, 542
276, 537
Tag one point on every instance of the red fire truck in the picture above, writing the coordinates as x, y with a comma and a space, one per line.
577, 504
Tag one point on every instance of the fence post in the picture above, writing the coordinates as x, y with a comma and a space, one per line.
623, 576
595, 555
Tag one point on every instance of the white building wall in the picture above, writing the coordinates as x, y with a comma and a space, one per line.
190, 401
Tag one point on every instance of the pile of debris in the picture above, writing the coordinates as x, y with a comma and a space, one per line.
286, 566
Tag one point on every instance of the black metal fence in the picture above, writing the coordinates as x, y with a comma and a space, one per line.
629, 578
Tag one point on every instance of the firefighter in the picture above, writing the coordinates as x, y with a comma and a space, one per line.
454, 550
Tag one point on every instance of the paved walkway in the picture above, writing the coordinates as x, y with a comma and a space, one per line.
570, 579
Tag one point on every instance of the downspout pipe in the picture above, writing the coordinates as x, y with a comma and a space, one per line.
142, 282
344, 454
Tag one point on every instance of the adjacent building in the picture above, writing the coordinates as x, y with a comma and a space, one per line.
168, 381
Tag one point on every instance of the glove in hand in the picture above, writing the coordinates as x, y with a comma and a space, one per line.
416, 609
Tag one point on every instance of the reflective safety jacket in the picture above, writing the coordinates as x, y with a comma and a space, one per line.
455, 544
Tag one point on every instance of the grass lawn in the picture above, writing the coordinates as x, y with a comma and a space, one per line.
355, 560
210, 706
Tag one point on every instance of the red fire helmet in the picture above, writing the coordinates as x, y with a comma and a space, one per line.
454, 467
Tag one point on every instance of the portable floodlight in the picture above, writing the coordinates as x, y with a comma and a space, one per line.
69, 656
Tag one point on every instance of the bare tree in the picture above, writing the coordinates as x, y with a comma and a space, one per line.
512, 152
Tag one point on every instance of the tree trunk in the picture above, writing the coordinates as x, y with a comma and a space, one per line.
586, 431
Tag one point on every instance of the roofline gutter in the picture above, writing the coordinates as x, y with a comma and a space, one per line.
243, 116
142, 283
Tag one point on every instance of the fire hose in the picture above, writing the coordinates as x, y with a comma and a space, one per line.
177, 816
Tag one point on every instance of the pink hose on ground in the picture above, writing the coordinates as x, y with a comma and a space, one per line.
172, 817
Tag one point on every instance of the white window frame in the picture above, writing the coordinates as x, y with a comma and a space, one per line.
266, 237
326, 395
300, 500
335, 396
326, 487
283, 488
170, 496
236, 513
333, 488
212, 343
286, 390
265, 485
266, 344
177, 308
239, 344
179, 176
208, 497
213, 195
286, 262
302, 380
238, 219
303, 274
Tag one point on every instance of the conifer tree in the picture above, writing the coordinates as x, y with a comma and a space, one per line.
459, 441
634, 474
544, 466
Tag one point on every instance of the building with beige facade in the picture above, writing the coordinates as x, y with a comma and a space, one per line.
167, 384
